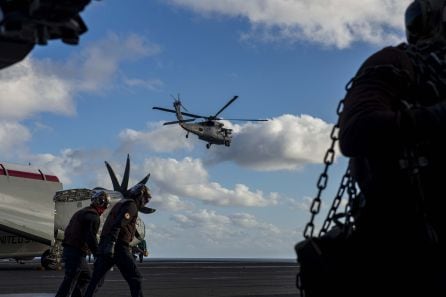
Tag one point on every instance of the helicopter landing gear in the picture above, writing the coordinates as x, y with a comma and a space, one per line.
227, 143
187, 135
208, 145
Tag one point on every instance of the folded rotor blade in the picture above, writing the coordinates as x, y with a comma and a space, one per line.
116, 186
145, 179
147, 210
125, 178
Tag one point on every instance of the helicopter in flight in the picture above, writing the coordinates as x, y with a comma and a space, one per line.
210, 130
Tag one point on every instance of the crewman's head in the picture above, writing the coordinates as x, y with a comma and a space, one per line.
100, 200
141, 194
425, 21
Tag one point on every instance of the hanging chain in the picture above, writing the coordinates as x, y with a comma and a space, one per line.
323, 178
346, 184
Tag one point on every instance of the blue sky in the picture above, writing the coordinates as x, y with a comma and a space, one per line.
70, 108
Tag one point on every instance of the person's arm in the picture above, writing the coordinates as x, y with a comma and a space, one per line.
91, 230
370, 122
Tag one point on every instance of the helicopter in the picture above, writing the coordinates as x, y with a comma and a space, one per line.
210, 130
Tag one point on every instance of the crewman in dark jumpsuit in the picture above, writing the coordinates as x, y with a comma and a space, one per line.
393, 128
81, 237
114, 246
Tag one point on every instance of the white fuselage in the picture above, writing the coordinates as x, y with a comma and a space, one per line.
26, 209
17, 247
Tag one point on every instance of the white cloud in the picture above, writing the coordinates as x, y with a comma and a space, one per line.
169, 202
188, 178
301, 204
72, 164
157, 138
284, 143
150, 84
35, 86
287, 142
99, 61
13, 137
330, 22
28, 87
241, 234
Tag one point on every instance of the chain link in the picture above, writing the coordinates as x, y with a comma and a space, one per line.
323, 178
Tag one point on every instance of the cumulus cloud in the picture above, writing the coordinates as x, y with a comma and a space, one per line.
333, 22
71, 164
36, 86
28, 87
13, 137
98, 63
241, 233
287, 142
157, 138
169, 202
188, 178
301, 204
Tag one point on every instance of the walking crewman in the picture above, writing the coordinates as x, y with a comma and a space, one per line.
114, 246
79, 239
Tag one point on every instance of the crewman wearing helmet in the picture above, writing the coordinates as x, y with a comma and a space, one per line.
80, 237
393, 128
114, 247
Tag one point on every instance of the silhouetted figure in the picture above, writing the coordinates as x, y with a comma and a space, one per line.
114, 246
393, 127
80, 238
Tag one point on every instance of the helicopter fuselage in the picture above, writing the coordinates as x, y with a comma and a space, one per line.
210, 131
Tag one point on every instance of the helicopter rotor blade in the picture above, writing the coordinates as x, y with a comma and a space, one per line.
226, 105
164, 109
183, 113
177, 122
248, 120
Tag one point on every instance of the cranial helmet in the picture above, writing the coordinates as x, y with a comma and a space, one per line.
100, 199
141, 194
425, 21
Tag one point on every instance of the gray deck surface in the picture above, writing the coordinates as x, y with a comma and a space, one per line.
167, 278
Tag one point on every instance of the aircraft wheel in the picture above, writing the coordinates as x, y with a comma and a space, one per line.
227, 143
44, 261
208, 145
187, 135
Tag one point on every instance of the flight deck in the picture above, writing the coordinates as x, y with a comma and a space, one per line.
167, 278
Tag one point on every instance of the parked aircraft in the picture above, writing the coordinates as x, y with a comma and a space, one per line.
34, 210
26, 211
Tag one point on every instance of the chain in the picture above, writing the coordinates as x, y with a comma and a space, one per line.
321, 185
346, 183
323, 178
